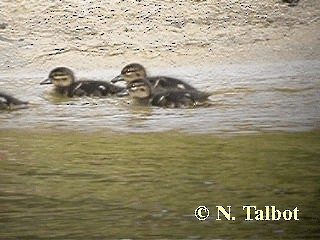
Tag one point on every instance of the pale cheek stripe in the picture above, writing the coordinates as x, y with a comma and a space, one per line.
60, 77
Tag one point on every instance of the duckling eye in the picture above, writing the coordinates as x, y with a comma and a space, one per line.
129, 70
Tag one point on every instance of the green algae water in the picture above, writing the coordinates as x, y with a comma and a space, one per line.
72, 185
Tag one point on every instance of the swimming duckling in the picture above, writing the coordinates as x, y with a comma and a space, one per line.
8, 102
134, 71
65, 84
144, 93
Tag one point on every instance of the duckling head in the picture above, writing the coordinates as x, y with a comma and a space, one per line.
130, 73
139, 89
60, 77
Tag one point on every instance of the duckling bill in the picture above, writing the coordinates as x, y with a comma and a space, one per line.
8, 102
134, 71
142, 91
64, 81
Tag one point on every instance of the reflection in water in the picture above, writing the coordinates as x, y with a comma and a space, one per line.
246, 98
138, 115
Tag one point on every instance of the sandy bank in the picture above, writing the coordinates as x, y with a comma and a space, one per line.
38, 35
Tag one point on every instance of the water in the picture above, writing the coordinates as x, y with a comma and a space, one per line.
70, 185
103, 168
246, 99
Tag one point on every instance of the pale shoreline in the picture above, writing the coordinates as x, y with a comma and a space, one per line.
37, 35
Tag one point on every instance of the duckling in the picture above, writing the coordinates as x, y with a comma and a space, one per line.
142, 91
65, 84
8, 102
134, 71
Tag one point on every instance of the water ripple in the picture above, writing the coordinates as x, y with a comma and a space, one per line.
246, 99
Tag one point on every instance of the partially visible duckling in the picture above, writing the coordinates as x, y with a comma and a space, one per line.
142, 91
65, 84
8, 102
291, 3
134, 71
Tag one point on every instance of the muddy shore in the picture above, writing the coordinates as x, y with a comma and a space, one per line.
86, 35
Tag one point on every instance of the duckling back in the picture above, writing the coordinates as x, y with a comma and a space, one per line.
169, 83
93, 88
179, 98
8, 102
